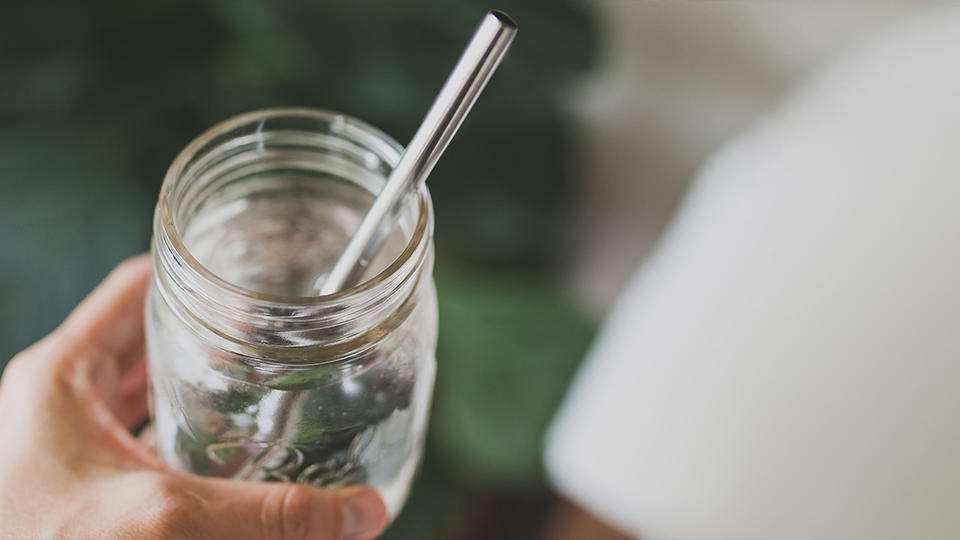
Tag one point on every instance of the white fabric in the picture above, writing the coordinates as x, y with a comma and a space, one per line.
787, 363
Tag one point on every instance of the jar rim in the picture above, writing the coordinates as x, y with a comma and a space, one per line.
194, 148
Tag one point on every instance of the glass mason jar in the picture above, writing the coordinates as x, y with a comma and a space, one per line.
252, 375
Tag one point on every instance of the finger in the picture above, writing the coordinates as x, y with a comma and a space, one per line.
129, 403
148, 438
110, 320
230, 509
105, 332
84, 367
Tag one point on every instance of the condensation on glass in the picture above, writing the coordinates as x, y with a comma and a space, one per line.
254, 377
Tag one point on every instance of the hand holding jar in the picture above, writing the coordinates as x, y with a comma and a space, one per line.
70, 467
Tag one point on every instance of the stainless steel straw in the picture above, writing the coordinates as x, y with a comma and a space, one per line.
475, 67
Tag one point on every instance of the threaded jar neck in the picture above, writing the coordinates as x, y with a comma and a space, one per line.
286, 330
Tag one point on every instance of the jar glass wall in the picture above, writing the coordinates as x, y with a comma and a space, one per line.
252, 376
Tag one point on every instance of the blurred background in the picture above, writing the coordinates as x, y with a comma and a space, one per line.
558, 184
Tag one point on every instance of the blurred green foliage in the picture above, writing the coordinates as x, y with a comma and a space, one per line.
96, 98
513, 347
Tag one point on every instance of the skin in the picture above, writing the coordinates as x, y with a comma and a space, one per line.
70, 467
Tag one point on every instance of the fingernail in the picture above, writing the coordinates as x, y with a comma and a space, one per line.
364, 515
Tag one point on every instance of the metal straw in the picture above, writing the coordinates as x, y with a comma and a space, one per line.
475, 67
279, 417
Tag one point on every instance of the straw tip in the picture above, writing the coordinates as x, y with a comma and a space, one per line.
504, 19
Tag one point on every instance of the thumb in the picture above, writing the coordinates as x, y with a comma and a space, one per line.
221, 508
